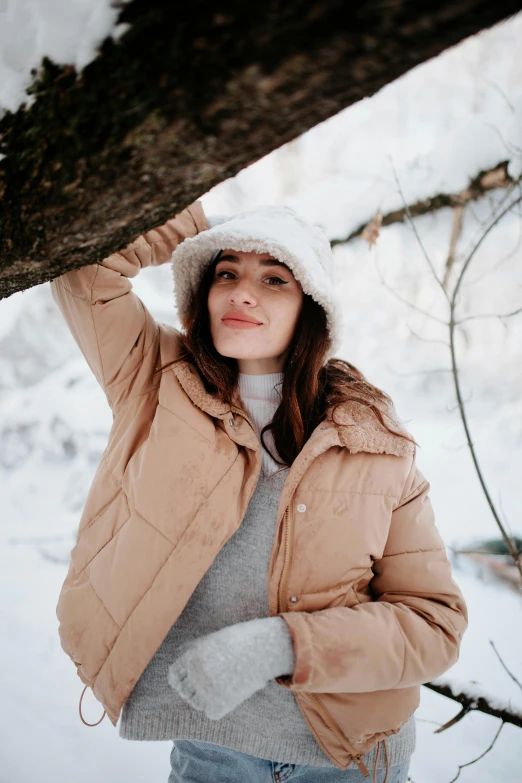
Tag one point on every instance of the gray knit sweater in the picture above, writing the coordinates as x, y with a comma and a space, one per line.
269, 724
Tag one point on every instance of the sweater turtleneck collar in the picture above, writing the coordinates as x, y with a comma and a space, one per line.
261, 395
265, 388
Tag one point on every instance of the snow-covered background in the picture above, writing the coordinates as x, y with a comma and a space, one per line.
433, 130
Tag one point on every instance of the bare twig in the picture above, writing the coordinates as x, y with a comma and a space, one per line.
451, 408
488, 315
491, 226
456, 229
427, 339
406, 301
452, 323
464, 711
513, 550
504, 259
433, 371
492, 643
509, 185
469, 763
419, 240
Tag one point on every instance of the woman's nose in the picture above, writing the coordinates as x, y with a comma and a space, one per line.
242, 294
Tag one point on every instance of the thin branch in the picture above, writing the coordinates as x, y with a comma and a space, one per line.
488, 315
469, 763
406, 301
451, 408
427, 339
496, 87
464, 711
504, 665
419, 240
507, 538
455, 448
510, 185
470, 552
492, 225
427, 720
434, 371
507, 257
456, 231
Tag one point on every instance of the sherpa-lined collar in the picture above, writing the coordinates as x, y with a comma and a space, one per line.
357, 427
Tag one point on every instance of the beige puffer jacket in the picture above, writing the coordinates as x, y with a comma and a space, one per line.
358, 569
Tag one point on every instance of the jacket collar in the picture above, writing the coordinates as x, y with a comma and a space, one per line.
356, 425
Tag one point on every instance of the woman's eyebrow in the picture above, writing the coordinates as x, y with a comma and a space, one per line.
263, 262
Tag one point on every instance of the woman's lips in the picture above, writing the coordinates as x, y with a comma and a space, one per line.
234, 323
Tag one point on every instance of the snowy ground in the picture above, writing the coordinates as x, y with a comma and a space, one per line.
439, 125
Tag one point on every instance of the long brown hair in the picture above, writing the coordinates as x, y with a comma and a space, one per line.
308, 390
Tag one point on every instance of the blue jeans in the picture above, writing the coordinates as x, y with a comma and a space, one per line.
193, 761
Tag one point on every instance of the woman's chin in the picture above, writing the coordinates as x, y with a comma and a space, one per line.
240, 349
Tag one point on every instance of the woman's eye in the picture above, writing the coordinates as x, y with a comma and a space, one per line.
271, 280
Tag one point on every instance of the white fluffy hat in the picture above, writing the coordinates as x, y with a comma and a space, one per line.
277, 230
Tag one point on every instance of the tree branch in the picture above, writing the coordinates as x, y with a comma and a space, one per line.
475, 699
498, 213
491, 179
188, 96
513, 550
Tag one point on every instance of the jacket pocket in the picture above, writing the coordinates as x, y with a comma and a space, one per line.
341, 594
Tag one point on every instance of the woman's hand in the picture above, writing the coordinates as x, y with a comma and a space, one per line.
217, 672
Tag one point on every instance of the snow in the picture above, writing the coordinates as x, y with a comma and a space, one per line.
69, 32
435, 128
475, 692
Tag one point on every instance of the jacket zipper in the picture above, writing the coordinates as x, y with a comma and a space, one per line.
283, 580
311, 696
282, 590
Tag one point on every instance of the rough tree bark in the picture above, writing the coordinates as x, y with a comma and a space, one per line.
191, 94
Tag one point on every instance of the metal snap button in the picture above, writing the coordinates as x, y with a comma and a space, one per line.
233, 424
293, 598
301, 507
358, 742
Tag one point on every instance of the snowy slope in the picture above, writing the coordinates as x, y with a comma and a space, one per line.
439, 125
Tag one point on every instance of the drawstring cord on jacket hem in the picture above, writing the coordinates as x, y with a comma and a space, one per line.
377, 760
80, 710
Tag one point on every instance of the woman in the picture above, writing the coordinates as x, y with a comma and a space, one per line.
257, 575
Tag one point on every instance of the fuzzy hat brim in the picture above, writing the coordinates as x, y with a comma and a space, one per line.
279, 231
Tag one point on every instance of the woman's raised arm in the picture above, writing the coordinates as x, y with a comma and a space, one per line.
111, 325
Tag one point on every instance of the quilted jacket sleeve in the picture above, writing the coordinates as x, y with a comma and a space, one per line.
408, 635
111, 325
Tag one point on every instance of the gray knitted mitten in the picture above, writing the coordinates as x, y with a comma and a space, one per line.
217, 672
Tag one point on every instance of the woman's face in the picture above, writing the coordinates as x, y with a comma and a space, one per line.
262, 289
